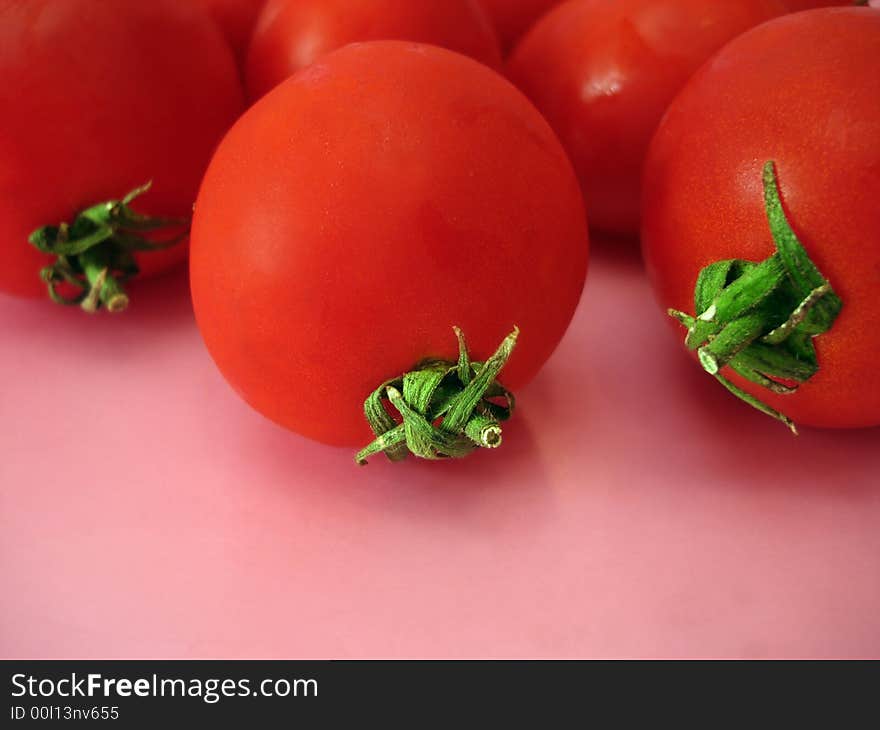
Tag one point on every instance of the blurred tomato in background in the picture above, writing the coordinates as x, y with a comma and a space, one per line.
796, 5
98, 98
603, 73
236, 19
512, 18
291, 34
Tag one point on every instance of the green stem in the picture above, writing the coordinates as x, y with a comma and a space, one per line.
96, 252
104, 289
484, 431
760, 318
446, 409
735, 337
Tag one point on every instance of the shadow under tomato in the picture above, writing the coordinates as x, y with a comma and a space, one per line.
642, 408
741, 445
485, 491
159, 303
163, 299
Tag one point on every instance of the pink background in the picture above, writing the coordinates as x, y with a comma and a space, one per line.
635, 509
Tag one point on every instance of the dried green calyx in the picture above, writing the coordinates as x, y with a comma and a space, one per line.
446, 409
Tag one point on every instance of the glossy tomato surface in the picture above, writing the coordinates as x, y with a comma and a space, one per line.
603, 73
291, 34
803, 91
97, 98
236, 19
363, 208
512, 18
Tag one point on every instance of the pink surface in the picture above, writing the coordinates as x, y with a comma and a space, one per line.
635, 509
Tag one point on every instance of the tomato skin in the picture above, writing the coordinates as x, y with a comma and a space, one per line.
236, 19
797, 5
817, 115
513, 18
364, 207
291, 34
603, 74
149, 102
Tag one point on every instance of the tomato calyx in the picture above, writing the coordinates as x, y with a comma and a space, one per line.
95, 253
760, 319
446, 409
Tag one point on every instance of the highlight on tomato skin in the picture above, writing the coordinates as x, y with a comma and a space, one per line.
365, 207
76, 130
291, 34
817, 116
604, 73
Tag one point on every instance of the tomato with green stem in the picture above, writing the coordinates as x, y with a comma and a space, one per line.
816, 116
359, 212
603, 74
291, 34
100, 97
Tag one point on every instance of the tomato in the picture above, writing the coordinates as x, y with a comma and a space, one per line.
236, 19
796, 5
512, 18
86, 121
603, 74
802, 91
291, 34
363, 208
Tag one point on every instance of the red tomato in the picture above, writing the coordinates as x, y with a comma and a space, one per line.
796, 5
803, 91
236, 19
363, 208
291, 34
85, 122
603, 73
512, 18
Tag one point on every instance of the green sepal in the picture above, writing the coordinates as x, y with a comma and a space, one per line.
800, 269
759, 318
390, 437
794, 359
748, 286
733, 338
95, 253
713, 279
445, 409
756, 403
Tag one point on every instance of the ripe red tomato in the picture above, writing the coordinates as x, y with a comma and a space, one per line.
796, 5
236, 19
291, 34
512, 18
84, 121
803, 91
363, 208
603, 73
